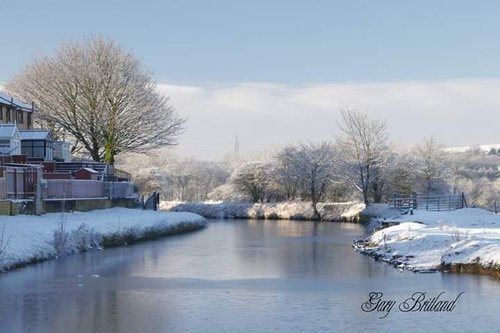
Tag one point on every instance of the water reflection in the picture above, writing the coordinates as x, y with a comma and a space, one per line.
251, 276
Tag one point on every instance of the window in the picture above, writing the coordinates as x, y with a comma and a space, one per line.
20, 117
28, 120
7, 115
34, 148
1, 112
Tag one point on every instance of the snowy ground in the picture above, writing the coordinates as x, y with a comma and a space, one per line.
426, 240
28, 238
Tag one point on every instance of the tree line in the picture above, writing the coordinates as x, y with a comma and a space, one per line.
96, 95
359, 164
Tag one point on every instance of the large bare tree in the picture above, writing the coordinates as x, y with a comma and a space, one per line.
364, 147
98, 96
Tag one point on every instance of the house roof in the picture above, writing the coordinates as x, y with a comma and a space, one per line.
36, 134
9, 131
88, 170
8, 100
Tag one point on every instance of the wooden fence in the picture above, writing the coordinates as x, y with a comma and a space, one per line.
430, 202
18, 182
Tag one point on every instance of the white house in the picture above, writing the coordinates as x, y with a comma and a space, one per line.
10, 140
37, 144
16, 112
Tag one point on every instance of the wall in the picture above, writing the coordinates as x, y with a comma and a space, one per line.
74, 188
14, 207
84, 205
66, 188
5, 208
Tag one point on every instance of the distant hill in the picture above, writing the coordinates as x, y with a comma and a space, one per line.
463, 149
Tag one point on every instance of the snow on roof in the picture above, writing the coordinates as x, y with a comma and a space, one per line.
9, 131
37, 134
8, 100
89, 170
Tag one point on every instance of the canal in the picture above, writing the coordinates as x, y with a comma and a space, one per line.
238, 276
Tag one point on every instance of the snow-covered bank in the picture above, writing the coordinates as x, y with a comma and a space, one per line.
461, 240
27, 238
345, 211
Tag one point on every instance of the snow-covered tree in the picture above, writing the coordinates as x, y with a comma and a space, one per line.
312, 167
432, 168
253, 179
364, 149
400, 175
175, 178
226, 193
287, 178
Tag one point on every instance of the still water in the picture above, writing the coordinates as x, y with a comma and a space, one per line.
237, 276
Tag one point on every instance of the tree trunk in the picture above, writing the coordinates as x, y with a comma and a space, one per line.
376, 192
109, 152
316, 214
365, 196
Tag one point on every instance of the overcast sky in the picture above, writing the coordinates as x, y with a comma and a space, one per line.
275, 72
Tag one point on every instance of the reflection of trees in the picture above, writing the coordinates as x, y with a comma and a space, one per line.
298, 249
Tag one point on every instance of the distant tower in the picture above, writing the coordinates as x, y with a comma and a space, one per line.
236, 146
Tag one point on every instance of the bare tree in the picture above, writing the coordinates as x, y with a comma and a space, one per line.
96, 95
364, 147
311, 166
432, 168
401, 175
286, 172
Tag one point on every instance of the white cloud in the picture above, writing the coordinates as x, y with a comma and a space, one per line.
456, 112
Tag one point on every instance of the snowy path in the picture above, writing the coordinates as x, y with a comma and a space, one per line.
27, 238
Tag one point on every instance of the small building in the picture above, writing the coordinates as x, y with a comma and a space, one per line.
37, 145
10, 140
16, 112
87, 174
61, 151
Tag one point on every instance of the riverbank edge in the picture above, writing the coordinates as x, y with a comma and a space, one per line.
116, 239
399, 263
297, 211
474, 268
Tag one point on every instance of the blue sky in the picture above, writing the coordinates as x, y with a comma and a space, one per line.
284, 48
202, 42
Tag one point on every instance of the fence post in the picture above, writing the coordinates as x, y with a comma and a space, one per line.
38, 192
495, 205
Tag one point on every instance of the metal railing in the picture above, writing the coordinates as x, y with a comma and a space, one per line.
430, 202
